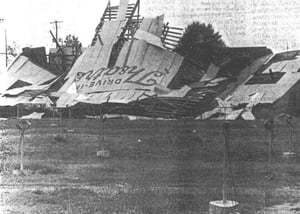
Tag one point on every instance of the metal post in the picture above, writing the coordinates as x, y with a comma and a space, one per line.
102, 127
61, 122
70, 113
271, 143
101, 135
69, 119
289, 154
22, 150
18, 111
224, 206
269, 126
19, 149
56, 31
225, 159
102, 153
291, 136
153, 115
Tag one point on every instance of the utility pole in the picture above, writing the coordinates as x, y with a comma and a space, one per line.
5, 34
55, 22
6, 56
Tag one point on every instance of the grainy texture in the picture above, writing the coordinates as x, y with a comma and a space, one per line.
155, 167
242, 23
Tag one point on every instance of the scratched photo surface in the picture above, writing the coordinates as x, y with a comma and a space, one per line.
146, 130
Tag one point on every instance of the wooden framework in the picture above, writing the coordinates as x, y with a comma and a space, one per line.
110, 14
67, 60
170, 35
167, 107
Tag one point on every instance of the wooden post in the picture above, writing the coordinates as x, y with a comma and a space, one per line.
109, 10
138, 12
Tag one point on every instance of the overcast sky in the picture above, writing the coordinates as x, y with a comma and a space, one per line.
271, 23
28, 21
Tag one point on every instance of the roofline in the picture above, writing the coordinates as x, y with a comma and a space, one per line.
269, 61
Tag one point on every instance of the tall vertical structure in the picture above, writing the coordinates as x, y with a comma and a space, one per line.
55, 22
110, 14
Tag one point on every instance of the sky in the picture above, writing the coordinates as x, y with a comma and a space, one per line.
269, 23
27, 22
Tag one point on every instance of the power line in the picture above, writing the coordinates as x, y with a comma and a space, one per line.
55, 22
5, 35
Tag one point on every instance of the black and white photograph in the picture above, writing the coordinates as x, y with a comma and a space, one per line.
149, 107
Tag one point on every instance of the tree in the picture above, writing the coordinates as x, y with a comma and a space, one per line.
12, 52
12, 49
199, 43
72, 41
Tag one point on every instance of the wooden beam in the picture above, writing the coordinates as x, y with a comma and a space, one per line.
176, 33
176, 28
171, 40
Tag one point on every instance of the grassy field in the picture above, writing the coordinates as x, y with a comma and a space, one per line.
155, 167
